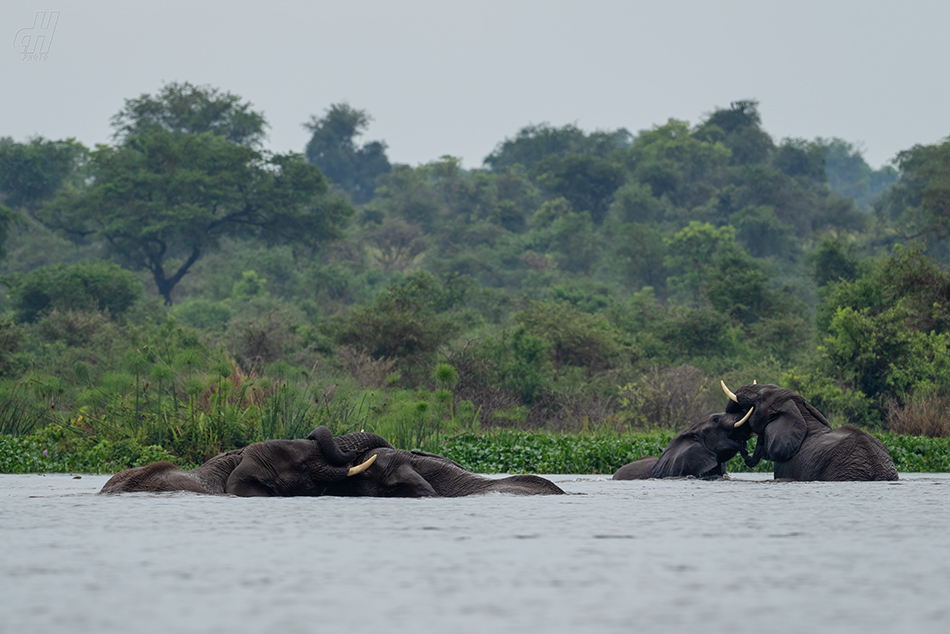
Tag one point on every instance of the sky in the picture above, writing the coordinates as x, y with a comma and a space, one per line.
456, 78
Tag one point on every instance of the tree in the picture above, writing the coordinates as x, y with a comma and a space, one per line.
919, 204
637, 255
31, 172
761, 233
409, 321
799, 158
675, 163
691, 254
183, 108
536, 142
586, 181
162, 200
332, 148
92, 286
738, 127
575, 338
7, 217
833, 260
887, 333
849, 174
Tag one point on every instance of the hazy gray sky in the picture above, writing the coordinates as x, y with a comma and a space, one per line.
444, 77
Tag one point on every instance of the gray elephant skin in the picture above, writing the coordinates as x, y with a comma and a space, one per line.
700, 451
400, 473
273, 468
802, 444
323, 465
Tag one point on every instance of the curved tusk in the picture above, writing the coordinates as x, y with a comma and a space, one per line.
360, 468
732, 397
744, 418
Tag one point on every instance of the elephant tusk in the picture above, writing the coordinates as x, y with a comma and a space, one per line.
732, 397
744, 418
360, 468
754, 382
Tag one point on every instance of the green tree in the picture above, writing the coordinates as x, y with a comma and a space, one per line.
575, 338
536, 142
886, 333
31, 172
678, 165
833, 260
332, 148
799, 158
183, 108
739, 129
409, 320
918, 206
691, 257
760, 232
406, 193
91, 286
162, 200
586, 181
636, 255
573, 242
849, 174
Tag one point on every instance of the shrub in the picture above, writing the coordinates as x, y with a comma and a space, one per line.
669, 398
926, 414
92, 286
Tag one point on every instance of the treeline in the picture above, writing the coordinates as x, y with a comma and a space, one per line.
184, 287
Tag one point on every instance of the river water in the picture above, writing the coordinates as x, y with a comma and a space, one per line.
738, 555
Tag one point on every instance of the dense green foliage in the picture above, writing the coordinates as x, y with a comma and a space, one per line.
185, 289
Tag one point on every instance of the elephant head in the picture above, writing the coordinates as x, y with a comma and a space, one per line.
268, 468
702, 450
782, 419
798, 439
401, 473
301, 467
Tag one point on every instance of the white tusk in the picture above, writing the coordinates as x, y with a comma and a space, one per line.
754, 382
732, 397
360, 468
744, 418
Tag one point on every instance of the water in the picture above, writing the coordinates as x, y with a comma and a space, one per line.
742, 555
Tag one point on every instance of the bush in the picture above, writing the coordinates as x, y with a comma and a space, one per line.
926, 414
92, 286
670, 398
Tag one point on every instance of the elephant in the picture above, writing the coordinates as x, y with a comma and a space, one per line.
272, 468
798, 439
401, 473
702, 450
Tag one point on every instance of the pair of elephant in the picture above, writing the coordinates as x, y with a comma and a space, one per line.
359, 464
791, 433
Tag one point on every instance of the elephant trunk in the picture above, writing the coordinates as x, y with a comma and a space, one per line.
756, 458
331, 452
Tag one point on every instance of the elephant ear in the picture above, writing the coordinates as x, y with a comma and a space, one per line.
684, 456
785, 431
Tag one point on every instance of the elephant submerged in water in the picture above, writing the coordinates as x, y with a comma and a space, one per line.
323, 465
400, 473
799, 441
701, 451
273, 468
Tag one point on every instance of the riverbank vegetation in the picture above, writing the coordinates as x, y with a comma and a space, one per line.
182, 291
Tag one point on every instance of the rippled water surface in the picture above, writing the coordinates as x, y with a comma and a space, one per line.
741, 555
